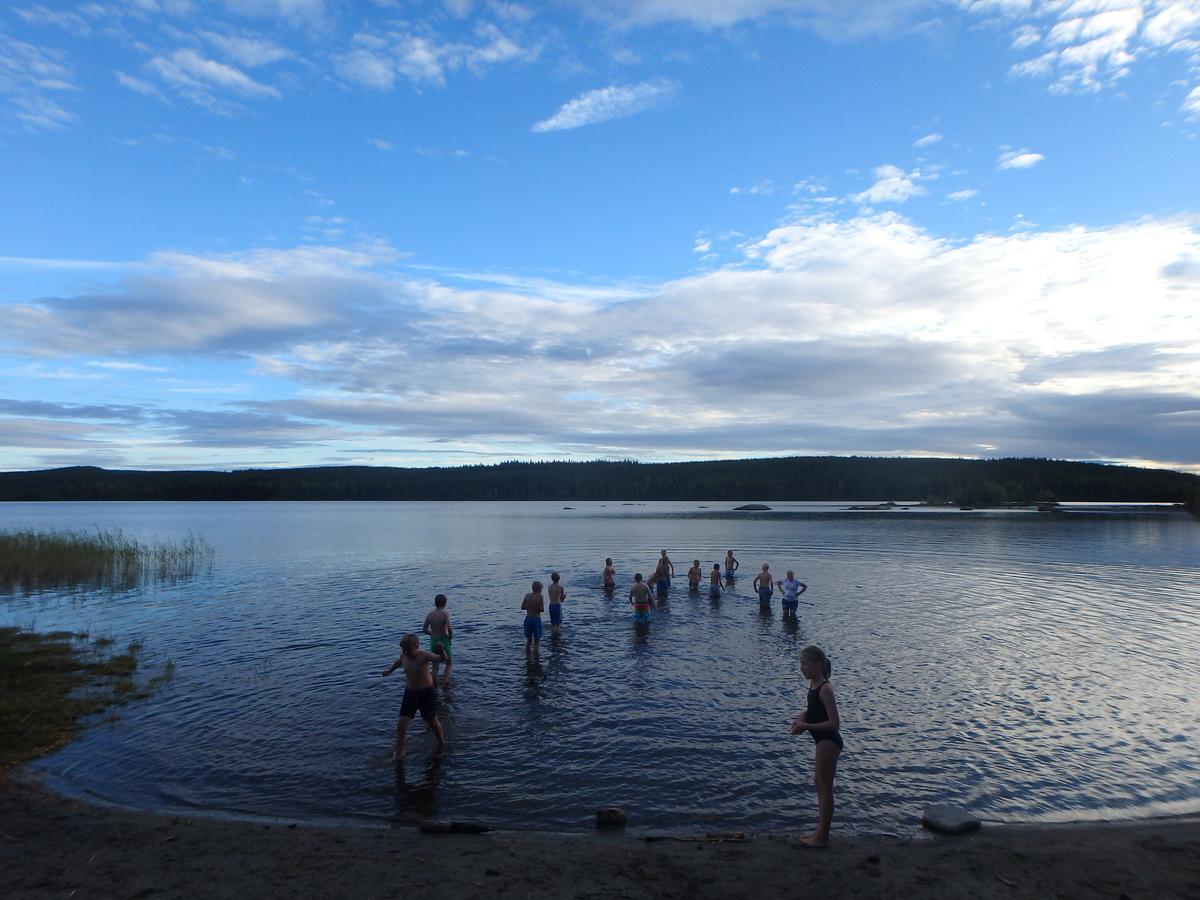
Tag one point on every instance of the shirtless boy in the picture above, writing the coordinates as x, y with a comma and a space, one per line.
764, 586
534, 605
610, 575
731, 564
695, 573
557, 595
665, 571
639, 599
419, 692
437, 626
714, 582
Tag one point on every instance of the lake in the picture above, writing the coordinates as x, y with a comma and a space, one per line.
1033, 667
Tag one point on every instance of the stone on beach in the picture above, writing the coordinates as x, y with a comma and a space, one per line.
610, 816
947, 818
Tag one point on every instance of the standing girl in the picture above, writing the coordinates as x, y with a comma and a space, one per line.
821, 721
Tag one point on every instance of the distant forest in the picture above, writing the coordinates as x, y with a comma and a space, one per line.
993, 482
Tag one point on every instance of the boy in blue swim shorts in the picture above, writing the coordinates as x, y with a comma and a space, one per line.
764, 586
557, 596
534, 605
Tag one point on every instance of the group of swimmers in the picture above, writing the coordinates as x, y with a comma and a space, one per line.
819, 718
664, 570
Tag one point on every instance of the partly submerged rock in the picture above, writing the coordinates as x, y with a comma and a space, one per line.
752, 507
609, 817
947, 818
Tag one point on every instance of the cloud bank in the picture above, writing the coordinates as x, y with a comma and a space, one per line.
869, 336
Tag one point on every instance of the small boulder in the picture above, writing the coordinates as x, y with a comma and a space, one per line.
752, 507
947, 818
610, 817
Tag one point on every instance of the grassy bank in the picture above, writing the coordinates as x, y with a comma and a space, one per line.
40, 560
50, 682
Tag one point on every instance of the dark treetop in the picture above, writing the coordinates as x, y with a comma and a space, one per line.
993, 482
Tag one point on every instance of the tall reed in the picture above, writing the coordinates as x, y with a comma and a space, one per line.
43, 560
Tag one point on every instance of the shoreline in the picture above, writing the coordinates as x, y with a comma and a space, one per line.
52, 846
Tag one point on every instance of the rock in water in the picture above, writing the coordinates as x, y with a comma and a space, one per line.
948, 819
751, 507
609, 817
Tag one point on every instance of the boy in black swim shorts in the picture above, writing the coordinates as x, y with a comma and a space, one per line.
419, 692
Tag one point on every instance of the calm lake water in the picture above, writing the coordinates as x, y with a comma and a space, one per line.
1032, 667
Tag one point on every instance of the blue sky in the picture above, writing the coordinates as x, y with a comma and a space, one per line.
308, 232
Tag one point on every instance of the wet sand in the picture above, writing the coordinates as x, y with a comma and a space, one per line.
51, 846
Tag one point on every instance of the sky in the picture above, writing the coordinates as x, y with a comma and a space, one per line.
267, 233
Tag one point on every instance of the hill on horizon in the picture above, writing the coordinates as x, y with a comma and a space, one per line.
991, 482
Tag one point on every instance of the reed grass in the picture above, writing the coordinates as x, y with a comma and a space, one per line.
50, 683
44, 560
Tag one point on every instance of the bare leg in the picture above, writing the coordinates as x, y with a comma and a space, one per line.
824, 770
446, 675
434, 670
401, 730
435, 725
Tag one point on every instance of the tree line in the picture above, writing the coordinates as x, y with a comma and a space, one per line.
991, 482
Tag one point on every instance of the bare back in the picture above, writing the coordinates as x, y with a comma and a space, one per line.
438, 622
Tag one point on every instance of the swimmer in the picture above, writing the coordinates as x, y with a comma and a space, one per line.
821, 722
664, 572
694, 575
731, 564
639, 599
609, 575
791, 590
557, 596
419, 692
714, 582
534, 605
441, 632
762, 584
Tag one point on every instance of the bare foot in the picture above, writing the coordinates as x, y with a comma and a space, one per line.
811, 840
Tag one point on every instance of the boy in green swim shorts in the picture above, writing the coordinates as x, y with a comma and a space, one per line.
440, 631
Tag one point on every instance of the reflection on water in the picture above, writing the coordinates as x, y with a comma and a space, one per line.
1030, 667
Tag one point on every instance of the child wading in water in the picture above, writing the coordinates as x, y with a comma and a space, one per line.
557, 595
821, 721
534, 605
441, 632
419, 692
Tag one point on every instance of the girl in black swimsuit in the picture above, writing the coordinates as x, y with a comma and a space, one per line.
821, 721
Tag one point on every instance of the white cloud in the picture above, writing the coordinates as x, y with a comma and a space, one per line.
380, 58
32, 79
959, 196
1018, 159
138, 85
247, 51
837, 21
927, 141
200, 79
1092, 44
892, 185
1192, 102
380, 144
605, 104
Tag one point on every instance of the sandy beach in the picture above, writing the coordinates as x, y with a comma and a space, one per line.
51, 846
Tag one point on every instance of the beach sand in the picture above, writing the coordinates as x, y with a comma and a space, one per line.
52, 846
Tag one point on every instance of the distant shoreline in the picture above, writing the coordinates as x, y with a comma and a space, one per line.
991, 483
